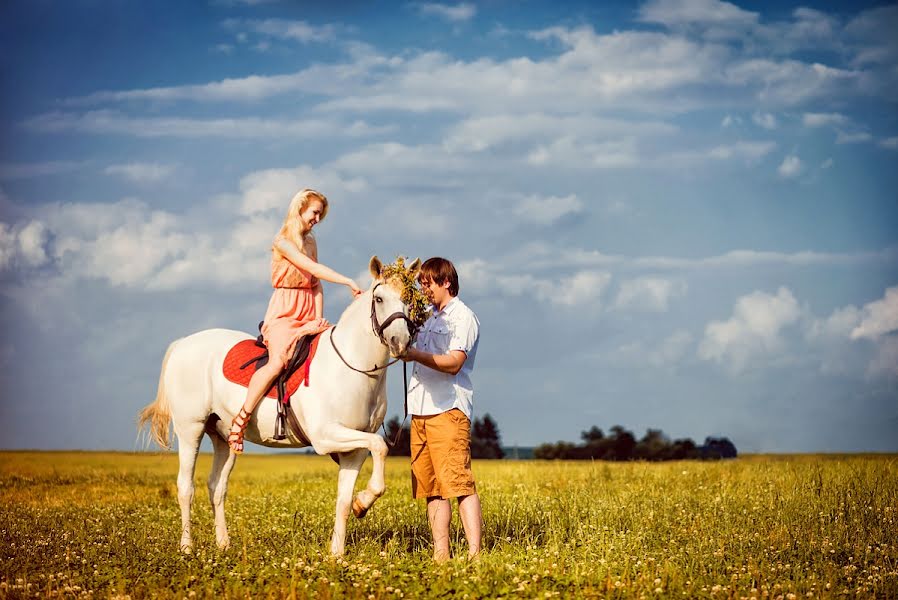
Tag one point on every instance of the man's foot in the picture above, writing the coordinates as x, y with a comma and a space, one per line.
440, 556
238, 426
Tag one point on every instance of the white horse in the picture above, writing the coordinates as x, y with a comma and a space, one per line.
339, 411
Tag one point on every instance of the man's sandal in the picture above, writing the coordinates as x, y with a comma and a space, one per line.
238, 426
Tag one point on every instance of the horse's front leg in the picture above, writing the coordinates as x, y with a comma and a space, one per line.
350, 464
336, 438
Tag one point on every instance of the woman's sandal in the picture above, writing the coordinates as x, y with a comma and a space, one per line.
238, 426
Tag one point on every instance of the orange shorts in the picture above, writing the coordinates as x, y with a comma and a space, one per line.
441, 456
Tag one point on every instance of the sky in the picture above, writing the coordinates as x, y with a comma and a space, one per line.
672, 214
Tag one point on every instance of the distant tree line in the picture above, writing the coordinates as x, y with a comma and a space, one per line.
618, 444
621, 444
486, 441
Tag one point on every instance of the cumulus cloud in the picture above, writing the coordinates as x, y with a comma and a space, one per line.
142, 172
271, 189
463, 11
879, 318
753, 331
790, 167
651, 294
837, 326
890, 143
583, 289
23, 245
547, 210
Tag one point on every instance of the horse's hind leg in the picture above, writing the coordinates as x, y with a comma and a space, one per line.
189, 437
222, 462
350, 464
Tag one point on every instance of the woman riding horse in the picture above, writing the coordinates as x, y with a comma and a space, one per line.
297, 302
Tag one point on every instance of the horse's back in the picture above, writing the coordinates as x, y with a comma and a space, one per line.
195, 367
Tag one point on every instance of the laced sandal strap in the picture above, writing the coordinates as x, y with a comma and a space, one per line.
241, 420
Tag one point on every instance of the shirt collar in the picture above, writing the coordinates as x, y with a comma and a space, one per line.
448, 308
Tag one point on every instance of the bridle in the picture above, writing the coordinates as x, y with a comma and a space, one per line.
378, 329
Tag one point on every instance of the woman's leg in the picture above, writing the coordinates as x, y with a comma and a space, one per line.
259, 383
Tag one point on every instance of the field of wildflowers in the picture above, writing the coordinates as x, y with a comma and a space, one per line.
107, 525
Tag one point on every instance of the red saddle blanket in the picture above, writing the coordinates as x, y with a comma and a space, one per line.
246, 350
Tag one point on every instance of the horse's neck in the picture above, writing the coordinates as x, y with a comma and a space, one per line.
354, 332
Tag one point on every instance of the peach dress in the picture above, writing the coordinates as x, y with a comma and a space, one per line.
291, 310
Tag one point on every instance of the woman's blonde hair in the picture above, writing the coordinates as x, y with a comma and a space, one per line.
292, 227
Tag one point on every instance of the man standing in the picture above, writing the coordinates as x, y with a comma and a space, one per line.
440, 400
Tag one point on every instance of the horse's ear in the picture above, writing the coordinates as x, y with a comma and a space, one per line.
414, 268
375, 267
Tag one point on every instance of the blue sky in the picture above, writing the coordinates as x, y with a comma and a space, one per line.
678, 214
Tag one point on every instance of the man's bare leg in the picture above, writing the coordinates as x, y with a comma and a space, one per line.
472, 521
439, 513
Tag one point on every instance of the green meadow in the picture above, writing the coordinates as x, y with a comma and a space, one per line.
107, 525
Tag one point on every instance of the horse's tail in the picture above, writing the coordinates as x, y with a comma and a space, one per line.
158, 413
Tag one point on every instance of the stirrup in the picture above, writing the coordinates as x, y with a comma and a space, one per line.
235, 438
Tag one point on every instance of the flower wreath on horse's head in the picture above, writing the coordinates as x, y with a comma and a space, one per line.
412, 296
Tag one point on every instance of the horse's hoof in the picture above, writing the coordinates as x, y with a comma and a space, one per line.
186, 548
358, 509
224, 544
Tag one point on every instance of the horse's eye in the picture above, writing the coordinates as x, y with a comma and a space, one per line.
378, 299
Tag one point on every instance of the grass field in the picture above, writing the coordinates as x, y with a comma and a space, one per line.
107, 525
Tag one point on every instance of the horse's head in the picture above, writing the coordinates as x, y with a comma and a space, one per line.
389, 314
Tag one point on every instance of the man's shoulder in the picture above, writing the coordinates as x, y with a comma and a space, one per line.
461, 312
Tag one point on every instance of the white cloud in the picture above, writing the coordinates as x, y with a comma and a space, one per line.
272, 189
879, 318
463, 11
299, 31
546, 257
790, 167
823, 119
23, 245
826, 164
676, 13
481, 133
112, 122
547, 210
890, 143
583, 289
142, 172
753, 330
854, 137
837, 326
873, 34
651, 294
764, 120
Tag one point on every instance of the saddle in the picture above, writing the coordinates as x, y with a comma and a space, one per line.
245, 357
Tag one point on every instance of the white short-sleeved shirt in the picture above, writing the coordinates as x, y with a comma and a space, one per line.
432, 392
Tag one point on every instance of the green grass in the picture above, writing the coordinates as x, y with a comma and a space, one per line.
107, 524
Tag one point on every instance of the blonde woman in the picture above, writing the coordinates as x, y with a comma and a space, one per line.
297, 302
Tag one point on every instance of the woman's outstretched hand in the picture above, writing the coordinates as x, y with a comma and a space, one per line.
356, 290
